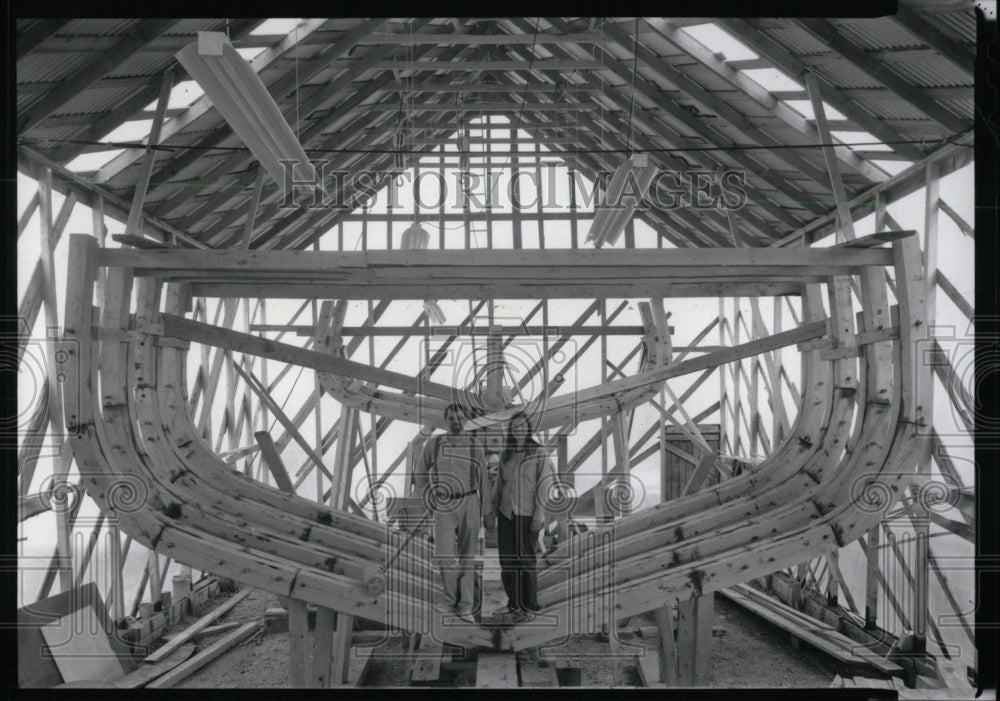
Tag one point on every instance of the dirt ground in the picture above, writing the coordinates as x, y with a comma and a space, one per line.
750, 653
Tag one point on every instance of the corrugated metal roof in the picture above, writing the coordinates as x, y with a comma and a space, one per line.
959, 25
876, 33
933, 74
796, 39
841, 73
99, 27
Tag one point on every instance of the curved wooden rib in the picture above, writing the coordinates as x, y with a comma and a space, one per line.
110, 459
888, 442
802, 501
556, 412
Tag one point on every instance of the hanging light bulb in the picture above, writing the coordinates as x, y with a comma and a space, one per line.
416, 238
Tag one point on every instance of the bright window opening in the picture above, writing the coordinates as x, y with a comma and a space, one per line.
250, 53
92, 161
861, 140
183, 94
771, 79
136, 130
719, 40
276, 25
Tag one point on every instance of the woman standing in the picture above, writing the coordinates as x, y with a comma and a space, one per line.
519, 501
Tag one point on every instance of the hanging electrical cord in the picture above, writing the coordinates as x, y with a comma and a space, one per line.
297, 80
631, 101
287, 397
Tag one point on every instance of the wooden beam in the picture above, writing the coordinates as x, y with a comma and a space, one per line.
198, 332
132, 226
588, 265
845, 230
273, 461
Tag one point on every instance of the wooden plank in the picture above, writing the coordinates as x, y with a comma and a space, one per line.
538, 673
817, 633
198, 626
496, 670
211, 630
427, 665
195, 663
620, 287
147, 673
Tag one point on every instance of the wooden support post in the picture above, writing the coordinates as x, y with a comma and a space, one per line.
117, 563
832, 577
871, 578
248, 225
845, 231
153, 563
668, 645
298, 632
694, 639
342, 648
323, 647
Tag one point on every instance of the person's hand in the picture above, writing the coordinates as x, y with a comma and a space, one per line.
489, 521
536, 526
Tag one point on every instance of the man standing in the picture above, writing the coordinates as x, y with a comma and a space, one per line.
452, 478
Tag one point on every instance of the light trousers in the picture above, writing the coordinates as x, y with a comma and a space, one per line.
456, 534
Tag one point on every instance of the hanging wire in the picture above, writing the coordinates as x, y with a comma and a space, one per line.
631, 101
297, 80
